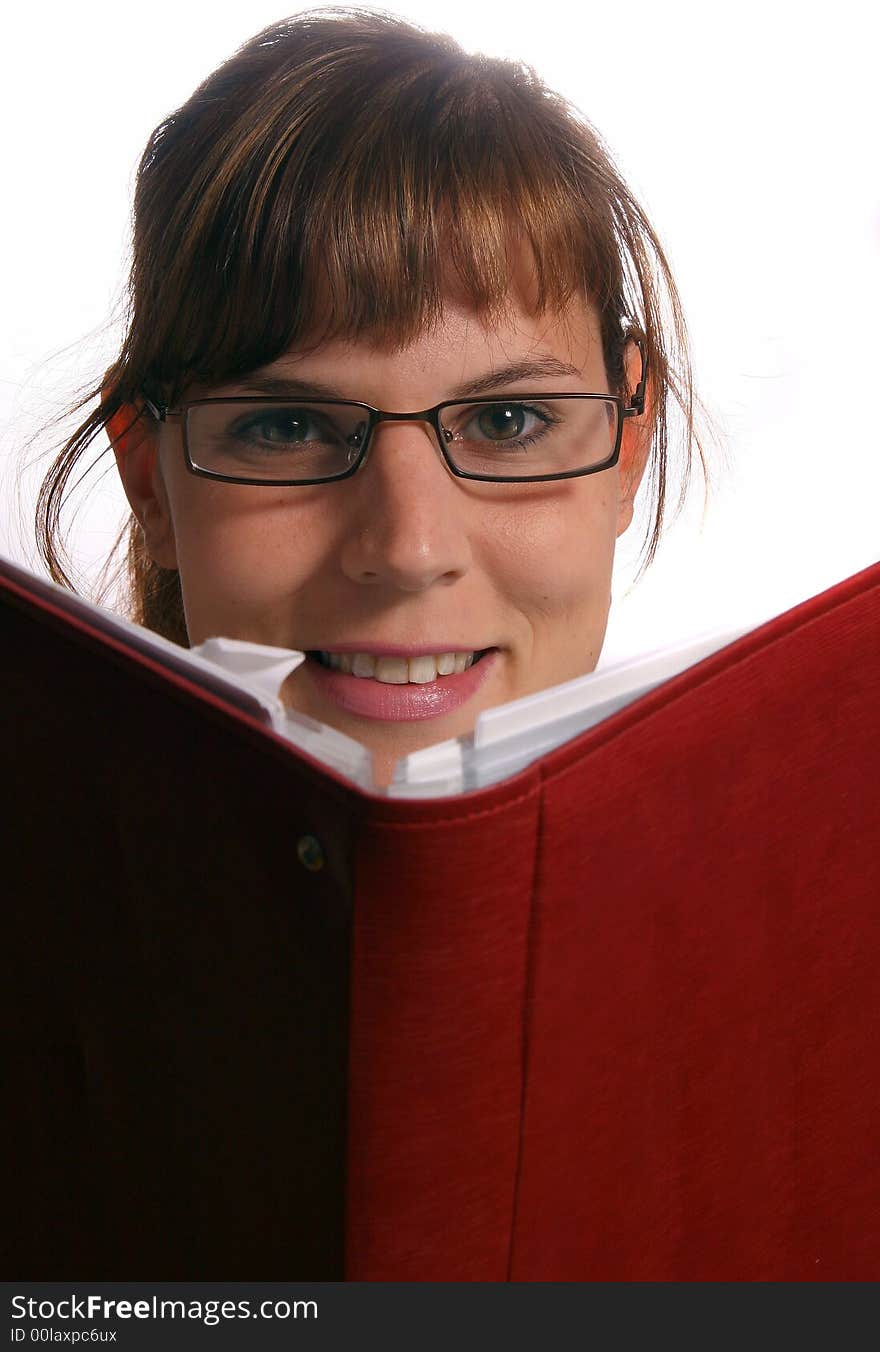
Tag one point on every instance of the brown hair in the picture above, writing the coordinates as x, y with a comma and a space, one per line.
322, 179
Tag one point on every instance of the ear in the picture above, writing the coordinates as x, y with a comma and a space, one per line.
134, 436
635, 443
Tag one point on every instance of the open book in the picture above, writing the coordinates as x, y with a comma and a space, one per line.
591, 995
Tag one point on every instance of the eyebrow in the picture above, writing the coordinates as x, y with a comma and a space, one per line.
532, 368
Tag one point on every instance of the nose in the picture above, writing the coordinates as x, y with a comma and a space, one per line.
407, 520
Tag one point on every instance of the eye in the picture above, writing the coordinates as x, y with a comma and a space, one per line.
500, 422
506, 422
282, 427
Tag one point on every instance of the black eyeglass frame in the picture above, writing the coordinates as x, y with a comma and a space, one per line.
636, 406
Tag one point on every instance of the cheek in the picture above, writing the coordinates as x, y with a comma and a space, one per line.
242, 554
558, 552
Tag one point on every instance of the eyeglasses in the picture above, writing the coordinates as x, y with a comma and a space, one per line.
512, 438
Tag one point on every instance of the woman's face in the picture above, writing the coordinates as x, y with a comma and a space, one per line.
403, 555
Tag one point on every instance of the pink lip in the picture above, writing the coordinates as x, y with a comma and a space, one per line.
400, 703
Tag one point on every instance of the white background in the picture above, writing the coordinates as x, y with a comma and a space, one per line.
749, 134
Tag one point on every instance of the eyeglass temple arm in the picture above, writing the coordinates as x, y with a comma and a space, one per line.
637, 403
157, 411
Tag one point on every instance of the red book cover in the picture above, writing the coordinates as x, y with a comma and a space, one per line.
615, 1017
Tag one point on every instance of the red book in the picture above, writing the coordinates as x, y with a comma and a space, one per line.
615, 1016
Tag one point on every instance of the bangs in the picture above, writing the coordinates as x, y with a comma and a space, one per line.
354, 205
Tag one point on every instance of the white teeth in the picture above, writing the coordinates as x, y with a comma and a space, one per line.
422, 669
390, 669
400, 670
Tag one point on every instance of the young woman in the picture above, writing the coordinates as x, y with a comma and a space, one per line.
400, 352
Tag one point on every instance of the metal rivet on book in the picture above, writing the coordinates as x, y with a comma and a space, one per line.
310, 853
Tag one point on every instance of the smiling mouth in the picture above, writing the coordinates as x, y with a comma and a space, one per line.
400, 689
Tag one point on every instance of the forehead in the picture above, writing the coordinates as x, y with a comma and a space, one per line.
460, 346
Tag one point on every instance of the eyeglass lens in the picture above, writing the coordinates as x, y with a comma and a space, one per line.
512, 437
